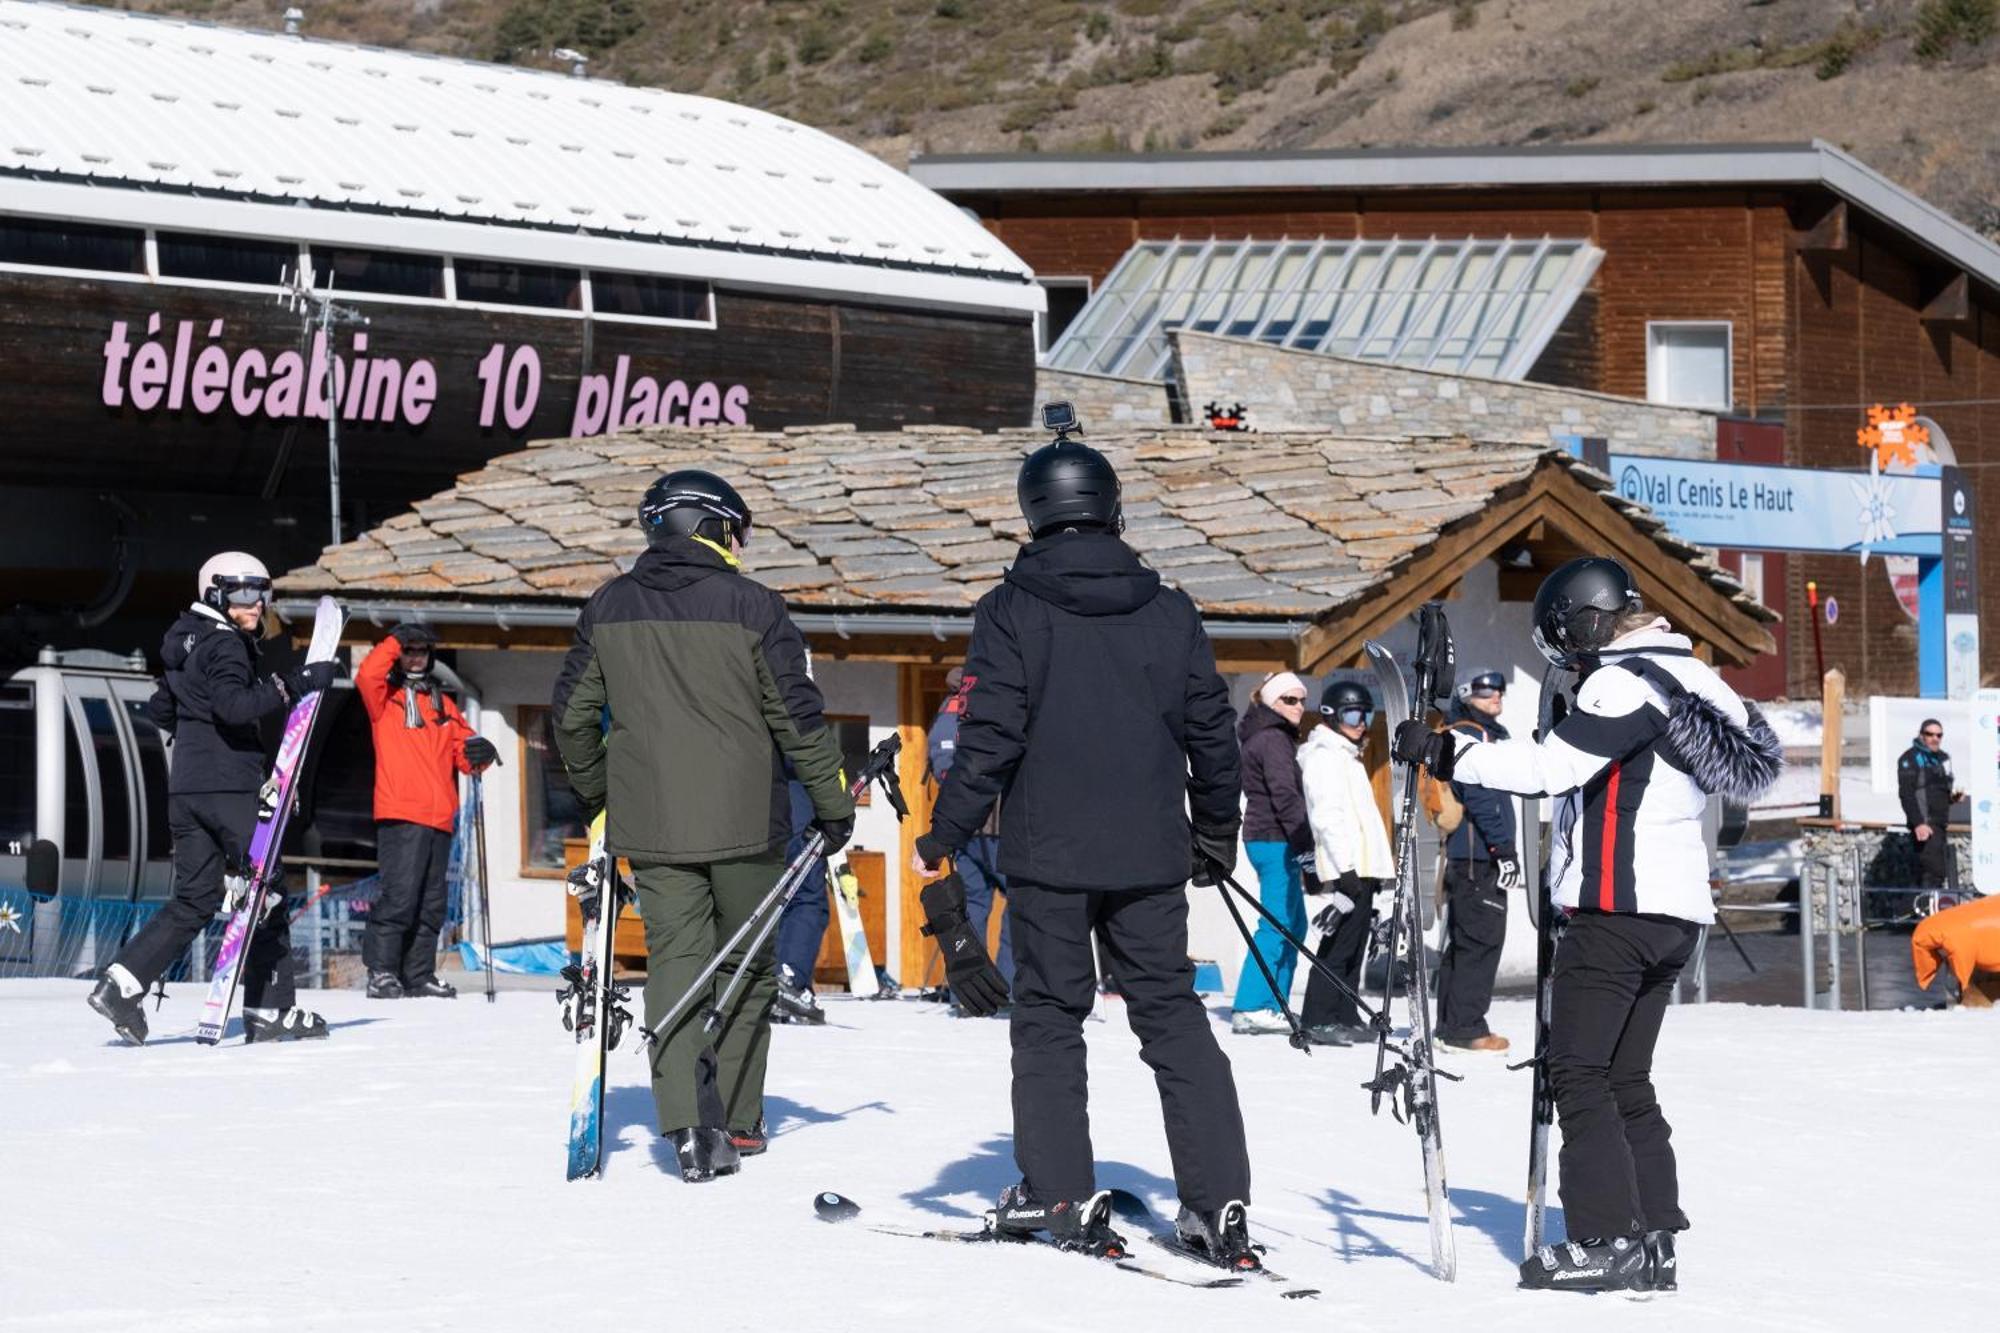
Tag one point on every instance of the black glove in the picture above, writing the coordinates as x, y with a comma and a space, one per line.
976, 985
311, 677
1214, 856
932, 849
479, 752
1343, 903
1510, 870
1416, 743
835, 831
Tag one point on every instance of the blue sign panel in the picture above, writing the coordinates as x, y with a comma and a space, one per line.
1748, 507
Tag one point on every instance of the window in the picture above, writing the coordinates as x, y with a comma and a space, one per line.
518, 284
1752, 575
654, 298
225, 259
153, 777
76, 797
72, 245
550, 815
1688, 364
383, 271
17, 765
116, 802
1067, 298
853, 735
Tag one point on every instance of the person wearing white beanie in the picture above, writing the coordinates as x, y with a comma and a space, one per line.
1275, 834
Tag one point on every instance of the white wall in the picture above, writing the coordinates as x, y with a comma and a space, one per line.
523, 908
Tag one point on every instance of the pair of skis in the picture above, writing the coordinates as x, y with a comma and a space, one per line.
1555, 683
275, 800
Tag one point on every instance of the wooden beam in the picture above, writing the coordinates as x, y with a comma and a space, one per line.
1833, 696
1827, 233
1953, 302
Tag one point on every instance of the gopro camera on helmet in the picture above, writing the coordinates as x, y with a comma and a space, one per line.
1060, 417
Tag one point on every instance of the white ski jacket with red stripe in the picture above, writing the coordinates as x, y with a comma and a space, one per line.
1628, 823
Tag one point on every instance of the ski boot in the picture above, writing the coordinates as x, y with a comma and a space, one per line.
384, 986
1329, 1034
1619, 1264
750, 1142
1221, 1237
704, 1153
1662, 1268
292, 1024
126, 1013
796, 1003
432, 989
1081, 1225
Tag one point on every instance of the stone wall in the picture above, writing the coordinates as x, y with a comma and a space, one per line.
1103, 400
1281, 389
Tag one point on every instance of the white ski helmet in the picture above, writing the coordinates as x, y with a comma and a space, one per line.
233, 578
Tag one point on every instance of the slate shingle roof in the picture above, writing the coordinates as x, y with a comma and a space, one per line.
1286, 525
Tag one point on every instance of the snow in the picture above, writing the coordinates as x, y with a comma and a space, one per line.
407, 1174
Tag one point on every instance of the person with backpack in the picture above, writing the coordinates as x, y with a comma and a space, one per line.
211, 701
1276, 835
1653, 734
979, 860
1481, 867
1351, 853
685, 691
1092, 700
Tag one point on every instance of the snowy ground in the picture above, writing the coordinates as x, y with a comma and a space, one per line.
407, 1174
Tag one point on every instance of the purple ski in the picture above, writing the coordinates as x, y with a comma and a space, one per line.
274, 808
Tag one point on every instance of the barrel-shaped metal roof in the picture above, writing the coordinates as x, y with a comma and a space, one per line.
151, 103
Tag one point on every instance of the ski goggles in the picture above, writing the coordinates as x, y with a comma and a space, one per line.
248, 592
1354, 717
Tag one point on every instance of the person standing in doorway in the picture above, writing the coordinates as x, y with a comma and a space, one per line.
1276, 835
1351, 851
683, 695
1481, 867
422, 744
1925, 784
211, 701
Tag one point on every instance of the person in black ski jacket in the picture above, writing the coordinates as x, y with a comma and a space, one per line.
1095, 707
1925, 784
211, 701
1276, 835
1653, 733
1480, 867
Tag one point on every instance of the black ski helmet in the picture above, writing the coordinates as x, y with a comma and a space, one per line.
1067, 484
1344, 694
692, 502
1577, 609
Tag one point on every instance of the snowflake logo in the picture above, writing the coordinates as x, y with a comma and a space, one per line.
1877, 515
1894, 434
10, 918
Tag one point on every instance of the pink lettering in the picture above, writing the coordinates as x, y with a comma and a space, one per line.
385, 383
593, 393
350, 406
211, 379
707, 406
116, 349
245, 397
645, 404
619, 371
735, 405
177, 389
287, 387
149, 376
673, 404
419, 392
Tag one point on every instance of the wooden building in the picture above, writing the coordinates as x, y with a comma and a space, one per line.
517, 254
1295, 551
1787, 287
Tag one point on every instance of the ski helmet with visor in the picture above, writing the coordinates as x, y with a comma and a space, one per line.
694, 503
1578, 607
233, 578
1066, 484
1346, 704
1483, 686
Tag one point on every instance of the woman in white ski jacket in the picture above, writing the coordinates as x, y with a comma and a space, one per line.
1351, 849
1654, 732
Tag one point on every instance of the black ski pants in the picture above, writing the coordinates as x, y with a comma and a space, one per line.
1614, 974
1341, 949
1933, 859
1475, 928
403, 925
211, 832
1146, 935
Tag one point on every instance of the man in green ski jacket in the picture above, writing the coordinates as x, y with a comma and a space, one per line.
683, 694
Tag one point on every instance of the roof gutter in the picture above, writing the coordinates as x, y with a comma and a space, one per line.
843, 624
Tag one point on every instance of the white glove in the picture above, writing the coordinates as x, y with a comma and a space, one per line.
1510, 872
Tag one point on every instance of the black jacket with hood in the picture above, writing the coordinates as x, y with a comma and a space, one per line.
1487, 831
1094, 707
211, 701
1274, 800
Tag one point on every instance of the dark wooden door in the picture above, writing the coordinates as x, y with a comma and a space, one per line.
1739, 441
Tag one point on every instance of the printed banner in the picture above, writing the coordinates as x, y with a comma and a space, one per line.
1756, 508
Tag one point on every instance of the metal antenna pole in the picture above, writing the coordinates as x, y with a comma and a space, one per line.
297, 295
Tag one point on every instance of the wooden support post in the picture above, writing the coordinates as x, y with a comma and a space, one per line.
1833, 695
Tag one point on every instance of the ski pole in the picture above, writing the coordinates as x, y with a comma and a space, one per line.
1298, 1038
1227, 882
485, 902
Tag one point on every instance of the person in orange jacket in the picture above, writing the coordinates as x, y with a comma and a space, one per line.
1965, 939
422, 744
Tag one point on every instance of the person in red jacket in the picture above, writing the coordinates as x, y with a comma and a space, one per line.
422, 744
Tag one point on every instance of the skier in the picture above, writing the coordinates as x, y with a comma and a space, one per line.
1094, 703
1480, 868
1276, 835
702, 677
1630, 866
802, 925
1351, 850
978, 860
210, 702
1925, 784
422, 743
